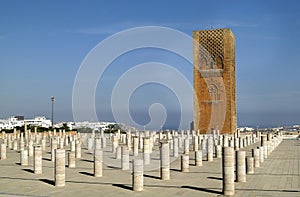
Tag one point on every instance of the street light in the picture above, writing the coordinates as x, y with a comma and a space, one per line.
52, 115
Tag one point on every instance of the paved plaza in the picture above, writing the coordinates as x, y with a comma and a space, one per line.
277, 176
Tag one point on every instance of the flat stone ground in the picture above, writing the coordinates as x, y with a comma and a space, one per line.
277, 176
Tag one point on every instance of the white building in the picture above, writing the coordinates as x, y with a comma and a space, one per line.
12, 122
86, 124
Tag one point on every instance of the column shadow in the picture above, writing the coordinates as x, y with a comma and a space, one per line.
123, 186
151, 176
50, 182
87, 173
202, 189
28, 170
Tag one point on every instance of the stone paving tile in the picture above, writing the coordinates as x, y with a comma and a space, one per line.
278, 176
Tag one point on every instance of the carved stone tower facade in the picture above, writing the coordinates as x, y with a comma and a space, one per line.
214, 81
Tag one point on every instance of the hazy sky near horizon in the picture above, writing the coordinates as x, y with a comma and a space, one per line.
43, 43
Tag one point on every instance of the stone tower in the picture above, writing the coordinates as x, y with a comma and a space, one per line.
214, 81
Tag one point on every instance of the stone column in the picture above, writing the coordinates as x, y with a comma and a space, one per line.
218, 151
185, 163
78, 149
115, 143
128, 141
146, 155
37, 162
186, 146
135, 146
175, 148
228, 171
225, 141
3, 152
98, 163
118, 152
30, 148
24, 157
196, 143
15, 144
53, 148
98, 144
210, 149
73, 146
141, 143
250, 165
61, 143
125, 158
71, 159
198, 158
137, 175
60, 174
43, 145
236, 143
90, 145
261, 154
9, 142
255, 155
103, 141
240, 166
22, 144
164, 160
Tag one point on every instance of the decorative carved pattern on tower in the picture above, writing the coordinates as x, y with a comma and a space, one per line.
214, 81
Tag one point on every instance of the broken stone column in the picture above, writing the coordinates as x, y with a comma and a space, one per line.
37, 161
43, 145
146, 151
185, 163
236, 143
261, 154
53, 148
128, 141
78, 149
210, 149
125, 158
21, 143
135, 146
98, 143
228, 170
103, 141
186, 146
30, 148
225, 141
59, 172
24, 157
61, 143
255, 155
71, 159
218, 151
118, 152
164, 160
98, 163
137, 175
90, 145
240, 166
250, 165
196, 143
3, 152
115, 143
175, 146
198, 158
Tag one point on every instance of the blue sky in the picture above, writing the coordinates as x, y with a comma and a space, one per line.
42, 44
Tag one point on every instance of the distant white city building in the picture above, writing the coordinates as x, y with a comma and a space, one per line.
245, 129
86, 124
13, 121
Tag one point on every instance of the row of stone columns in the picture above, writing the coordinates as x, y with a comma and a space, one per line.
244, 165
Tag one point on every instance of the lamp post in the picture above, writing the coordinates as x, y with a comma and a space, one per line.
52, 115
